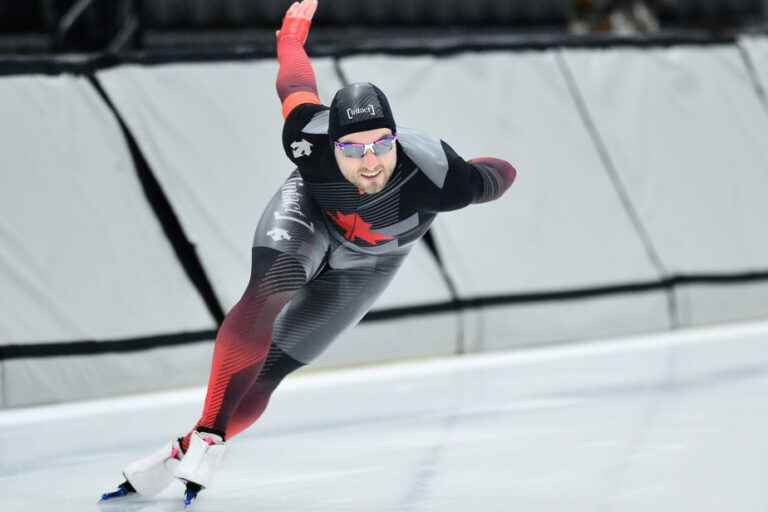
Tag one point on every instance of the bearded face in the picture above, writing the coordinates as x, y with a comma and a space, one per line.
371, 173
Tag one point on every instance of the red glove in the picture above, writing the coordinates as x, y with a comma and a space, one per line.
297, 20
295, 78
294, 28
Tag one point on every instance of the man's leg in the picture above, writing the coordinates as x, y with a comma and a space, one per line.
318, 312
290, 246
243, 340
276, 366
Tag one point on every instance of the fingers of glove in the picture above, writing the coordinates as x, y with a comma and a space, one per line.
307, 9
297, 20
296, 28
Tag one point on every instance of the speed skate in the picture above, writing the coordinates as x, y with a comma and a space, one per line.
149, 476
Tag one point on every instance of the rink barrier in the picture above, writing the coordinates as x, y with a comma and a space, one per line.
87, 66
93, 347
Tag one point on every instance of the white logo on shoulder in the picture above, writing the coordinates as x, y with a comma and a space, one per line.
301, 148
352, 112
278, 234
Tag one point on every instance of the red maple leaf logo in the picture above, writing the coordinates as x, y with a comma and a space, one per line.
355, 227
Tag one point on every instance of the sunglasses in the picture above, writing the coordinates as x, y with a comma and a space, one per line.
378, 148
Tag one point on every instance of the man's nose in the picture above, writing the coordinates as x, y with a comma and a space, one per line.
369, 159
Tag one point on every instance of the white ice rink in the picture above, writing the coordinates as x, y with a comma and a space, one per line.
674, 422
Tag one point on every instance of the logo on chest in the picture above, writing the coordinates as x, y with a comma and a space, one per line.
355, 227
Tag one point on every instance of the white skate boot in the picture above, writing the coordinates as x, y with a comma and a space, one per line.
150, 475
203, 456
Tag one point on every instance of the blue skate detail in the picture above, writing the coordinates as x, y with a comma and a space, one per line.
119, 493
191, 493
124, 489
189, 498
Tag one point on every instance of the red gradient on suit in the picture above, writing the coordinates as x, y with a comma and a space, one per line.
505, 169
242, 345
296, 82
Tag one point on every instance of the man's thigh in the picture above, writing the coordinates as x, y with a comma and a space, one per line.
335, 300
292, 224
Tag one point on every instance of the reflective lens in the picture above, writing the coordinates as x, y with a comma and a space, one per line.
380, 147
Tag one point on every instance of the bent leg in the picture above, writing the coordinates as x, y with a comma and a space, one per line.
276, 366
317, 314
289, 248
243, 340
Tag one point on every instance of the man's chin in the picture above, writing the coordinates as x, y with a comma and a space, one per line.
371, 187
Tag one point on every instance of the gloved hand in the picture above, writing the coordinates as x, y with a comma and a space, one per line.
297, 20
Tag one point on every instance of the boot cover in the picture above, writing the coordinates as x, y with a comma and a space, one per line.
152, 474
203, 456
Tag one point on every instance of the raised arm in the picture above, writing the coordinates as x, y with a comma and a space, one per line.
296, 82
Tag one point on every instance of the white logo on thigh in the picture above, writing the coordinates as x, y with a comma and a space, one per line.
278, 234
301, 148
291, 197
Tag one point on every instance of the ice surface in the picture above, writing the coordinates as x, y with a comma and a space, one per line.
670, 422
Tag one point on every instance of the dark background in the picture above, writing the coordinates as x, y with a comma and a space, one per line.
34, 27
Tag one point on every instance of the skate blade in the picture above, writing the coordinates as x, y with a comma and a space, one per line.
111, 500
119, 494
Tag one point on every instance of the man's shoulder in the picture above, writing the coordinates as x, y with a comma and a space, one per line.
308, 118
305, 135
426, 152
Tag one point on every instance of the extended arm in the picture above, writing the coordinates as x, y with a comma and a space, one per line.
296, 82
475, 181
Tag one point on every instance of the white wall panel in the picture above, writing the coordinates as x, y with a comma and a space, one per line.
81, 254
718, 303
582, 319
690, 141
757, 48
212, 134
689, 138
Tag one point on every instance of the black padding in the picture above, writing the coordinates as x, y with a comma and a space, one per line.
185, 14
213, 431
715, 12
23, 16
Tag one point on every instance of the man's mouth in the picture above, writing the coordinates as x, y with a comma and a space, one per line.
370, 175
